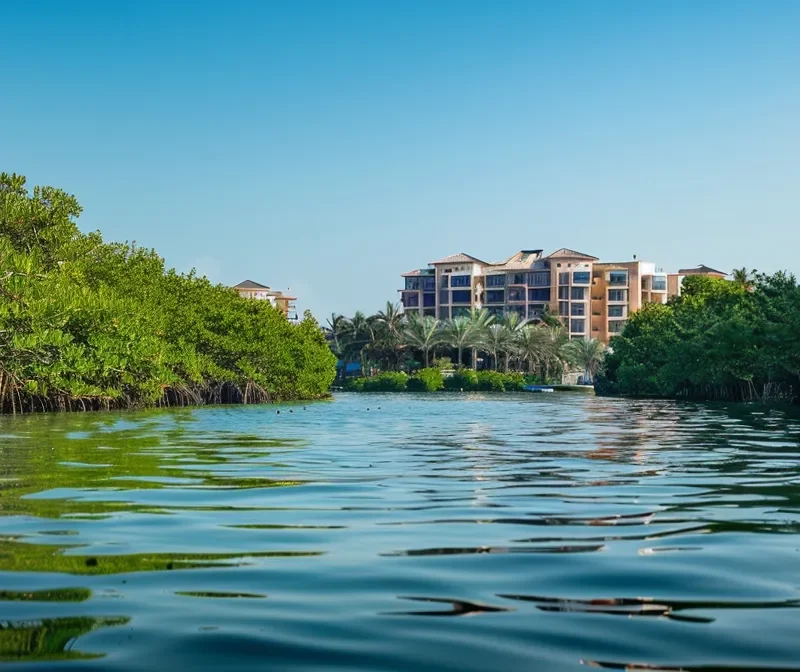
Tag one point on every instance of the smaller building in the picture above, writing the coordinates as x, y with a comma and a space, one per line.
675, 280
283, 302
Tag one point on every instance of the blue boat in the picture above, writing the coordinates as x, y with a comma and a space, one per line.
538, 388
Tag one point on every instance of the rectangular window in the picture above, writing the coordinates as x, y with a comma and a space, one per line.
411, 300
616, 295
429, 284
616, 311
616, 327
659, 283
581, 277
578, 293
539, 294
563, 278
444, 282
618, 277
563, 293
412, 283
563, 308
429, 311
535, 311
444, 296
518, 278
444, 312
460, 281
497, 312
516, 294
496, 296
429, 300
539, 279
577, 326
495, 280
578, 309
462, 296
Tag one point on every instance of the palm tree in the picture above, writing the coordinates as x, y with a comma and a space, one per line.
392, 318
496, 341
459, 333
422, 333
534, 345
513, 324
480, 319
359, 334
743, 277
586, 353
337, 334
386, 338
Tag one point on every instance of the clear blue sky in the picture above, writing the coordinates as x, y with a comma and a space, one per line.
330, 146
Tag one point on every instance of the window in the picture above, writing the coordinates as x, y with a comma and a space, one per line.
539, 294
535, 311
519, 310
577, 326
616, 311
516, 294
581, 277
444, 296
460, 281
495, 280
616, 295
616, 327
496, 296
618, 277
462, 296
578, 309
563, 278
429, 284
539, 279
412, 283
563, 308
445, 281
497, 312
659, 283
429, 300
411, 300
429, 312
518, 278
563, 293
578, 293
444, 312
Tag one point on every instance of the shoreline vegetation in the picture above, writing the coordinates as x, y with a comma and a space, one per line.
720, 340
396, 351
88, 325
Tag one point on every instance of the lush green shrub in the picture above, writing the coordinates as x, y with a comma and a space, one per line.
491, 381
463, 379
514, 382
426, 380
443, 364
354, 384
391, 381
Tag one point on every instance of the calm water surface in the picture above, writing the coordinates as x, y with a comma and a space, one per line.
538, 532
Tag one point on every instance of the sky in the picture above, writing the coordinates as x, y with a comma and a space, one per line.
327, 147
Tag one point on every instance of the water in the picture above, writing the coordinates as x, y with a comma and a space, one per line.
549, 532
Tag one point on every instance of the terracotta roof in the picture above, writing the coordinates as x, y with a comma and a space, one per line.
566, 253
411, 274
249, 284
458, 258
521, 261
702, 268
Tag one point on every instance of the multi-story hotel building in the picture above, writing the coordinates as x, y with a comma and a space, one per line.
254, 290
592, 298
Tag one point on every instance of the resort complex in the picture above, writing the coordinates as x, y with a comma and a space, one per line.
593, 298
253, 290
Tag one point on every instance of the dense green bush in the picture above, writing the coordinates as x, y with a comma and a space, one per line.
354, 384
718, 340
391, 381
514, 382
87, 325
426, 380
490, 381
463, 379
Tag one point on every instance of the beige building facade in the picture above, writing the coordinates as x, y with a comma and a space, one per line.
592, 298
254, 290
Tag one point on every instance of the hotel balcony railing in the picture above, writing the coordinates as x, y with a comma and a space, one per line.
617, 282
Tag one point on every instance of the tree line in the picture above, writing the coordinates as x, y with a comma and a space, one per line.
391, 340
86, 324
736, 340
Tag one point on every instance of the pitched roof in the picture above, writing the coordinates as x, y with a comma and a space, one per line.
249, 284
566, 253
521, 261
411, 274
457, 258
702, 268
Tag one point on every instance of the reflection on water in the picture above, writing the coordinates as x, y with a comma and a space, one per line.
568, 531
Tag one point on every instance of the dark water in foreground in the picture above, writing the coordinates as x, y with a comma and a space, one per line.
539, 532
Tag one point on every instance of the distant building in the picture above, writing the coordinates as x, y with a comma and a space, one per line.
675, 280
253, 290
593, 299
